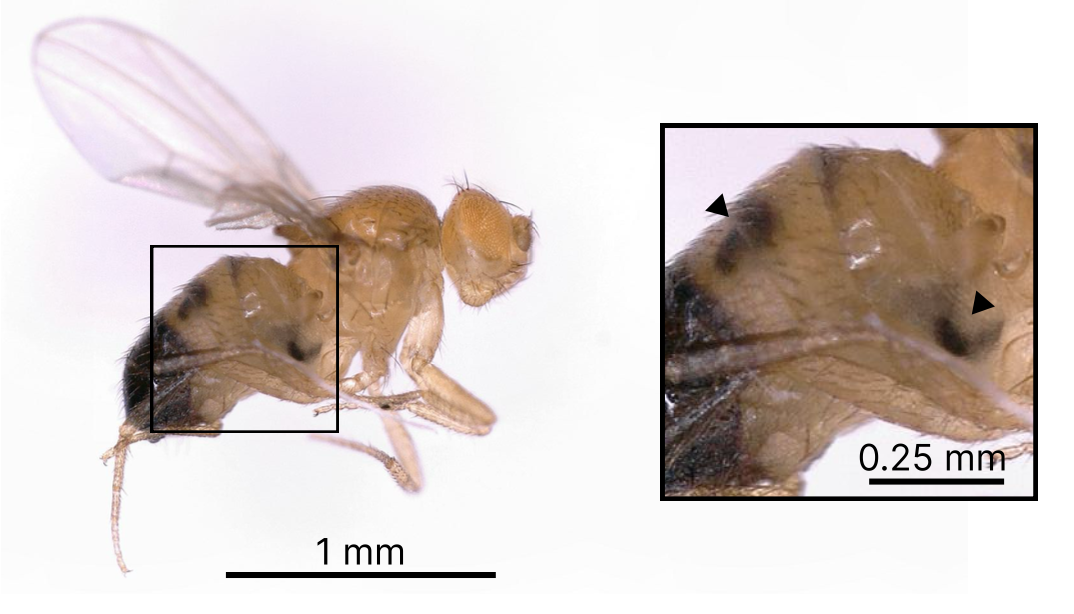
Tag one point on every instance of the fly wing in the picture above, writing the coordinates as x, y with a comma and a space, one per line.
144, 115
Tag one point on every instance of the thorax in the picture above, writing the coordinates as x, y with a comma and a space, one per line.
389, 258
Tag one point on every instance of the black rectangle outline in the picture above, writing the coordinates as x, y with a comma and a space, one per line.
360, 574
1036, 190
151, 329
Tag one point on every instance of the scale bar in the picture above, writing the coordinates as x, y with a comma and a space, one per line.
939, 481
361, 574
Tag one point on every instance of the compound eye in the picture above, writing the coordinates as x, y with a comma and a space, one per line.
485, 248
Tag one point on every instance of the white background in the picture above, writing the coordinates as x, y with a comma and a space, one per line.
703, 163
554, 106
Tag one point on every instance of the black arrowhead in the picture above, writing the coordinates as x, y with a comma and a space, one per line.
980, 303
718, 206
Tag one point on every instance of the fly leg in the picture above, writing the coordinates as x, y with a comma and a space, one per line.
444, 401
1016, 450
128, 435
369, 381
275, 374
404, 468
285, 378
374, 370
394, 402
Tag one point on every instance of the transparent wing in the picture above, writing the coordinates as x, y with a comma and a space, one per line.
143, 115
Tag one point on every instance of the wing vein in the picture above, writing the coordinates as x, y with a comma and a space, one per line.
235, 146
133, 122
187, 119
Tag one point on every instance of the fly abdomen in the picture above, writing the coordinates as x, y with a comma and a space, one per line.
702, 420
172, 402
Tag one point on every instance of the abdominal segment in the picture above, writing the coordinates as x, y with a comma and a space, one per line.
702, 421
739, 427
172, 405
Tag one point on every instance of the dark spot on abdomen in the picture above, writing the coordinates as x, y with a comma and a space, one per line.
950, 337
302, 352
295, 351
728, 254
962, 343
195, 296
753, 226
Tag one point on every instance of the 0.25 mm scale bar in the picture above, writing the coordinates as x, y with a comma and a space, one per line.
939, 481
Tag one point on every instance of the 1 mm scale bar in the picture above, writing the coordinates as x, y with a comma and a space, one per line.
361, 574
940, 481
